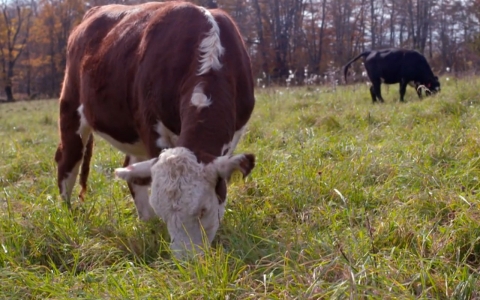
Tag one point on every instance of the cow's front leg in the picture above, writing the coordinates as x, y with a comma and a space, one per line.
139, 190
403, 88
372, 94
76, 143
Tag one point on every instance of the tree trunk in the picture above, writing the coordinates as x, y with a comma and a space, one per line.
28, 78
373, 23
8, 92
321, 36
393, 14
261, 40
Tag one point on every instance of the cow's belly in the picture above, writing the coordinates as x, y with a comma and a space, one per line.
165, 139
127, 139
389, 80
137, 149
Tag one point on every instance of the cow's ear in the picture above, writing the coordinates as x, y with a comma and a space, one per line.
138, 171
225, 166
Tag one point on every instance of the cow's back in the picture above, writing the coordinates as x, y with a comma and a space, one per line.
101, 61
182, 30
394, 65
91, 34
132, 56
385, 64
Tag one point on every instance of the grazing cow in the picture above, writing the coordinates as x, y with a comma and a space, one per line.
170, 85
397, 66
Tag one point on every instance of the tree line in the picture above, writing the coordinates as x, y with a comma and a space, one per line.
289, 41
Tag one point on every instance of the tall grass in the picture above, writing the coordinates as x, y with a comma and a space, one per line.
348, 200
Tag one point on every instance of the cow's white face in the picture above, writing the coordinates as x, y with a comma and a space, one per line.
183, 193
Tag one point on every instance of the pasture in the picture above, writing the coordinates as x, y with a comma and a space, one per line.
348, 200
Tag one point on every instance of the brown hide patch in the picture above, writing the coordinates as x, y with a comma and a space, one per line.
221, 190
247, 164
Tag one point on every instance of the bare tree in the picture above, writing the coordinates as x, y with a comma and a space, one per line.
262, 44
16, 23
373, 24
314, 33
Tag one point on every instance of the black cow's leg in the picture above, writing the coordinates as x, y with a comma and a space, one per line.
376, 88
372, 93
403, 88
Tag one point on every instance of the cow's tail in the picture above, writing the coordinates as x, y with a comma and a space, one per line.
345, 68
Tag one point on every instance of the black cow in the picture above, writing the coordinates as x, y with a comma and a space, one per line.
397, 66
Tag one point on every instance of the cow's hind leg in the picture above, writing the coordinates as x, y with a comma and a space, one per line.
139, 191
75, 140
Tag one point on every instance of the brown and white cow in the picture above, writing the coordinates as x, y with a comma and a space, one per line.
170, 85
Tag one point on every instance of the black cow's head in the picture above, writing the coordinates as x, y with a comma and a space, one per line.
433, 86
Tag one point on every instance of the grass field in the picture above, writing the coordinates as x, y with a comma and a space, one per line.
348, 200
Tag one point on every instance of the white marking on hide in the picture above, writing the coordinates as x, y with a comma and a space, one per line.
68, 183
382, 80
167, 138
236, 138
228, 148
199, 99
84, 130
134, 170
210, 48
136, 149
